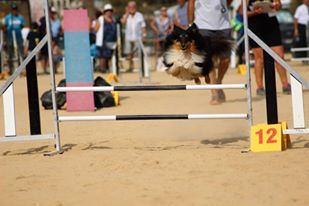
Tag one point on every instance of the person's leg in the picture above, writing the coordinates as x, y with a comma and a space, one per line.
102, 64
302, 39
130, 57
281, 71
222, 69
44, 59
258, 67
214, 92
224, 63
44, 64
11, 55
100, 56
106, 64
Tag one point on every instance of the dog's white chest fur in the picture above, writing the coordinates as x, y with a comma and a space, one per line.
184, 66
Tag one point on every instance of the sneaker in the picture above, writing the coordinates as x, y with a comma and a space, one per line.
260, 92
287, 89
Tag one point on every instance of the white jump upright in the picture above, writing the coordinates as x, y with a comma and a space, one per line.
9, 112
298, 104
57, 119
6, 90
8, 101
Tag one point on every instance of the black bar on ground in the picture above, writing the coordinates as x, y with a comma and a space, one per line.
149, 88
271, 91
33, 97
152, 117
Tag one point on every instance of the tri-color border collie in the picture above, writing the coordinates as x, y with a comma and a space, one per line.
189, 56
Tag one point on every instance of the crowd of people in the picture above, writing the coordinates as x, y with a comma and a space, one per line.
19, 40
211, 16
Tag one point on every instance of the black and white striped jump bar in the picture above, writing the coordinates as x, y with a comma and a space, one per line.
151, 88
152, 117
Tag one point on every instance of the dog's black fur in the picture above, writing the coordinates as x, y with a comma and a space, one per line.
190, 43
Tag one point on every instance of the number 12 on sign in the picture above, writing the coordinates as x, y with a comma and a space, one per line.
266, 138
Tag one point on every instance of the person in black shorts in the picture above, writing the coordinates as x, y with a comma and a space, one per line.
43, 57
266, 27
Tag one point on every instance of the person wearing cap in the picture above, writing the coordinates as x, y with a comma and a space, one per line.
13, 24
301, 25
55, 24
105, 37
135, 30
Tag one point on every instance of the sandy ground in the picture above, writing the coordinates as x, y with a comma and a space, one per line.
196, 162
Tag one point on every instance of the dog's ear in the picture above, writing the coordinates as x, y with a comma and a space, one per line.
177, 30
192, 29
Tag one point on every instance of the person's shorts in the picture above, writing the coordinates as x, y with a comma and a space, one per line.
225, 33
268, 32
131, 47
103, 52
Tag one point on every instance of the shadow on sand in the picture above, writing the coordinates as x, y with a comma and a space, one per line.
225, 141
36, 150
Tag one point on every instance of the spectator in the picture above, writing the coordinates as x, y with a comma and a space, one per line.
56, 31
266, 27
212, 19
161, 26
301, 22
43, 57
92, 36
33, 37
13, 24
93, 32
135, 30
55, 24
106, 37
181, 14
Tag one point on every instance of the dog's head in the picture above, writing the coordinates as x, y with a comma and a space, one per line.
184, 38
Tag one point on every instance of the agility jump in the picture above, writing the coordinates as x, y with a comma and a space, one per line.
297, 84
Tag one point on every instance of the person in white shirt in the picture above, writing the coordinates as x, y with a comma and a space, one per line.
135, 30
212, 19
301, 21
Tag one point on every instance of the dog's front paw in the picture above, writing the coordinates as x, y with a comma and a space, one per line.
197, 81
207, 79
168, 65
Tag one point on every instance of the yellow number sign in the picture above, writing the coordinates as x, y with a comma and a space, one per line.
266, 138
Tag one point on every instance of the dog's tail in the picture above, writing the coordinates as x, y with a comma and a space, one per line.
220, 46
